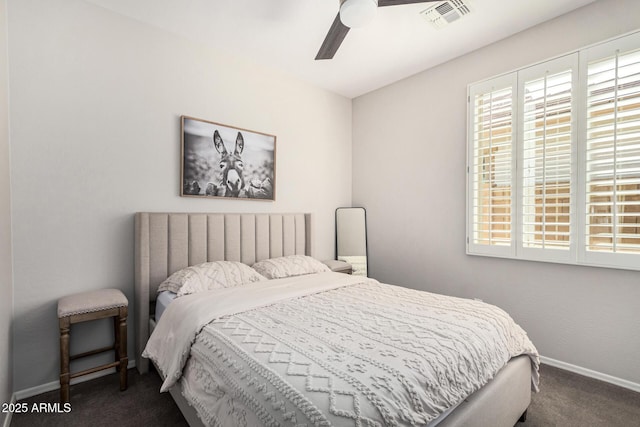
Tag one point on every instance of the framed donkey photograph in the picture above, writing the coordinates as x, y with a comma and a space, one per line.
224, 161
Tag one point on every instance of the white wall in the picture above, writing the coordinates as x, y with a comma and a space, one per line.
95, 106
6, 278
409, 148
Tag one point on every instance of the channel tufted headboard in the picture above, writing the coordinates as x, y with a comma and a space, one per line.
168, 242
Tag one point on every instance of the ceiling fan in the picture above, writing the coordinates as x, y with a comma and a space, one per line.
353, 14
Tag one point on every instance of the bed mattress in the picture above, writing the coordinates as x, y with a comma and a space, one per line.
162, 302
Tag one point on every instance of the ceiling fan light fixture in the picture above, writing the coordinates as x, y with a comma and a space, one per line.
357, 13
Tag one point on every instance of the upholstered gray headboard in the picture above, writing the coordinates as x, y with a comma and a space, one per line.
168, 242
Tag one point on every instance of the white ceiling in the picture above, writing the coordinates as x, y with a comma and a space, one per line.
286, 34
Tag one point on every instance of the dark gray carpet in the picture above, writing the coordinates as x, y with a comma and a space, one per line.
100, 402
570, 400
565, 400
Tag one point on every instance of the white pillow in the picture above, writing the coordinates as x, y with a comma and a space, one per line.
208, 276
287, 266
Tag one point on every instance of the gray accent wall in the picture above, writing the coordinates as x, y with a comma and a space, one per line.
95, 106
409, 150
6, 277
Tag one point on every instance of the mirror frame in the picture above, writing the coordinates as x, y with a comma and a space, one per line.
366, 238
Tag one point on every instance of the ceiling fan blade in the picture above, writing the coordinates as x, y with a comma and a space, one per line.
382, 3
334, 39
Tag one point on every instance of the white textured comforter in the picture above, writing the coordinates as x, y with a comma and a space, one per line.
331, 349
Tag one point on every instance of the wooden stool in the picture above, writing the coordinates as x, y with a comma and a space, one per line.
93, 306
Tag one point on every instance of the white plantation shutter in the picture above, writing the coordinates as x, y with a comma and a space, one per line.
491, 173
612, 159
553, 159
546, 155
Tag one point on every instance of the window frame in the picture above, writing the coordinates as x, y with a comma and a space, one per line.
577, 253
492, 85
523, 76
599, 51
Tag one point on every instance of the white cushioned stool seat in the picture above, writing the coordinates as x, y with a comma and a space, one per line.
88, 302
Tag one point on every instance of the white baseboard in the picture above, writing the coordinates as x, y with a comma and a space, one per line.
7, 417
591, 374
55, 385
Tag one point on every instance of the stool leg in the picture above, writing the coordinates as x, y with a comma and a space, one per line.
122, 347
65, 326
116, 333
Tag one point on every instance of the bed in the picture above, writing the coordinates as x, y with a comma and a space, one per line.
169, 242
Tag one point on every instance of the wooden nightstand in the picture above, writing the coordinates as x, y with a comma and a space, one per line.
88, 306
339, 266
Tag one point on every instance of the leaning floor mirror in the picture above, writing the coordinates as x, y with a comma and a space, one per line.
351, 238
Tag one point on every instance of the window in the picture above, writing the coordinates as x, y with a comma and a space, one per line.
546, 150
612, 157
554, 159
492, 159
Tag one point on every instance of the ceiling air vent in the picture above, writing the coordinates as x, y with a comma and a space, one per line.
444, 13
